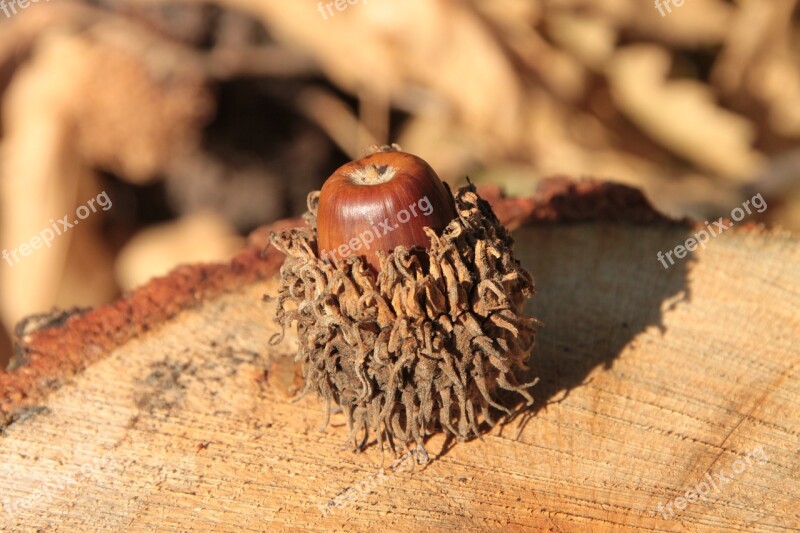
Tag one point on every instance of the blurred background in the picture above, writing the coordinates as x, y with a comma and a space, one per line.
202, 120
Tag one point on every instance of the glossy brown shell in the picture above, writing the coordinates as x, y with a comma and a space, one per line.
380, 202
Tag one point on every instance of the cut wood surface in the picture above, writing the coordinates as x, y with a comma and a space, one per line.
173, 413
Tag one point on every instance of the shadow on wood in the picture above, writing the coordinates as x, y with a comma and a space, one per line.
600, 285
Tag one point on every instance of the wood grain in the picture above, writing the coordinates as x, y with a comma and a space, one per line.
651, 379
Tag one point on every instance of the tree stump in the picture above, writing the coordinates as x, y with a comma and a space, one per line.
668, 398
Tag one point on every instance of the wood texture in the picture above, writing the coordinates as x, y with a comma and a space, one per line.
653, 381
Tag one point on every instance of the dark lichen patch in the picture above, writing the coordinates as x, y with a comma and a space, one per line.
27, 413
164, 388
424, 345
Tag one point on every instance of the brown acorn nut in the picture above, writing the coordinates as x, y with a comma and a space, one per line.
380, 202
422, 341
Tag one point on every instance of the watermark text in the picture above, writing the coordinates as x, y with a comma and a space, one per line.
56, 228
702, 237
716, 481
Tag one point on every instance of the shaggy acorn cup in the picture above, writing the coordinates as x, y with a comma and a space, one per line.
408, 303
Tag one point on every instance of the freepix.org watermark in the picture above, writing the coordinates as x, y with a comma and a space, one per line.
326, 8
366, 238
56, 228
715, 481
662, 5
12, 7
702, 237
50, 489
362, 489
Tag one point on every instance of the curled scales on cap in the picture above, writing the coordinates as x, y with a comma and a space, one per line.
421, 345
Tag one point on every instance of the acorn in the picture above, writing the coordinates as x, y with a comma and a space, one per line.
380, 202
408, 303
